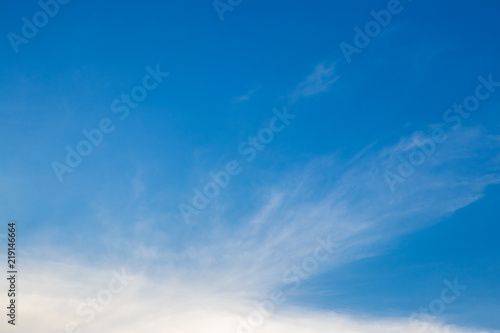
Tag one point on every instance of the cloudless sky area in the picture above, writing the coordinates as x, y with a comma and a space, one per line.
370, 152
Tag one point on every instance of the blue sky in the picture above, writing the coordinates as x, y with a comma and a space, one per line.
330, 171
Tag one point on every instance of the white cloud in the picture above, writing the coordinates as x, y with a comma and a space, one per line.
209, 283
246, 96
322, 77
179, 306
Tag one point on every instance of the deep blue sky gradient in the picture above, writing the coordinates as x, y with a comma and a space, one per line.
65, 79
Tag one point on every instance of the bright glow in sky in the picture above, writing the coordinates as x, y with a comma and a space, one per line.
251, 166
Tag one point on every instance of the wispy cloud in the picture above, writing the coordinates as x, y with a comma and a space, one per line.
209, 283
246, 96
321, 78
172, 305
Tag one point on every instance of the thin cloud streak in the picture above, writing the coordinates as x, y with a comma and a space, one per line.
246, 96
216, 279
319, 81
